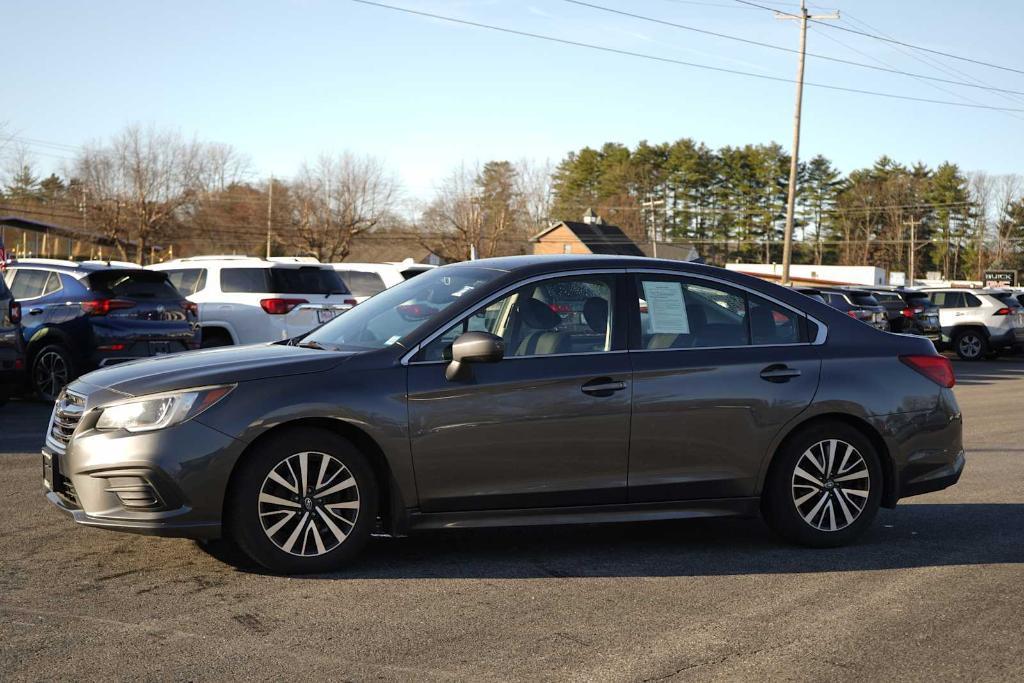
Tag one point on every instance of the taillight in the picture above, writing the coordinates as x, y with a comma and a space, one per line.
1004, 311
416, 311
190, 307
280, 306
936, 368
350, 302
104, 306
907, 313
859, 314
15, 313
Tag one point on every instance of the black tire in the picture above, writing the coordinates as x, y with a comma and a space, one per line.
807, 522
53, 368
214, 337
251, 522
970, 345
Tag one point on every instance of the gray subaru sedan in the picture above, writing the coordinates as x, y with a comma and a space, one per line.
516, 391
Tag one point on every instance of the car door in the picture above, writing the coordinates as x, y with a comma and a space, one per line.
31, 287
717, 372
953, 310
548, 425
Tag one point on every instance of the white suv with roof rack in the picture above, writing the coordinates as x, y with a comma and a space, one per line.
248, 300
366, 279
978, 322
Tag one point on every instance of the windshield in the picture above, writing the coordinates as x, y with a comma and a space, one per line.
392, 315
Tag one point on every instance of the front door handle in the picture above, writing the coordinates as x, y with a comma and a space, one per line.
602, 386
779, 373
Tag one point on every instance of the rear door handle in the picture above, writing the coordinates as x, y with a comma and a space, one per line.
602, 386
779, 373
35, 311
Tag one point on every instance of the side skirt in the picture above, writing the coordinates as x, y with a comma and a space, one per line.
593, 514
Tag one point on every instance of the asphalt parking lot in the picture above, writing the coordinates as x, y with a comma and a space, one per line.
934, 590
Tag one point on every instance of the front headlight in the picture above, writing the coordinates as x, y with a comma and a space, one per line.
158, 411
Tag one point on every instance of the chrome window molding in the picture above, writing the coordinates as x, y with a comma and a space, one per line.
497, 295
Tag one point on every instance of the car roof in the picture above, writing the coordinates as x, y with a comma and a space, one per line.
235, 262
71, 267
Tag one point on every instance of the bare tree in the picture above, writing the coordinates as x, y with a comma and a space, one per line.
335, 200
137, 185
533, 185
478, 210
1008, 190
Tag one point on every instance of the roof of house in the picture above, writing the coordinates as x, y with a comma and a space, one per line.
600, 238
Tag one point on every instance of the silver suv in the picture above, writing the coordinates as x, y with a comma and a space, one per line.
978, 323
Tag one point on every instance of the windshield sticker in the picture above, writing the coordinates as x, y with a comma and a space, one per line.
666, 310
392, 340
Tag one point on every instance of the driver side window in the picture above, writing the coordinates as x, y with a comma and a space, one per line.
558, 316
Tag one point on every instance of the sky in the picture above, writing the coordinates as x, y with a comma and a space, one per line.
285, 81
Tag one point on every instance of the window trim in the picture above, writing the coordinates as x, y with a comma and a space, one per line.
407, 356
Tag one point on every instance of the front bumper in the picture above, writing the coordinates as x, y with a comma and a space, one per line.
169, 482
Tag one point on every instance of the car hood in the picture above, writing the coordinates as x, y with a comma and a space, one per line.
227, 364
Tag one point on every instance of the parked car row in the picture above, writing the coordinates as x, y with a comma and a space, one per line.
975, 323
60, 319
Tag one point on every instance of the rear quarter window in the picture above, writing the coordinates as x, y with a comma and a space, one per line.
245, 280
862, 299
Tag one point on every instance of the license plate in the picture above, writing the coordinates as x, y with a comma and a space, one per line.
48, 470
159, 348
326, 314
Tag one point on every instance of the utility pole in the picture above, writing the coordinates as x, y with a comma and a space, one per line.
803, 17
270, 212
913, 223
652, 204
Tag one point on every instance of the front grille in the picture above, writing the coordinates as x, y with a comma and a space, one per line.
67, 411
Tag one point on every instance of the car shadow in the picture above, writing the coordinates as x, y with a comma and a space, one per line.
913, 535
989, 371
23, 426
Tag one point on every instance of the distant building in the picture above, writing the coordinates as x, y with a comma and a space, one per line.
27, 237
591, 236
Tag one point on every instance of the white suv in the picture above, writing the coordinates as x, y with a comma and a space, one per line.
366, 279
246, 300
978, 322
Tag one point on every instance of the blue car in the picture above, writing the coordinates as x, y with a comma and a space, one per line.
12, 352
77, 317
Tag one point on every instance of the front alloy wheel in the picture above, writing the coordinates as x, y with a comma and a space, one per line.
303, 501
308, 504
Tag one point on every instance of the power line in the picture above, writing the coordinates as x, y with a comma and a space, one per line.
884, 39
781, 48
669, 60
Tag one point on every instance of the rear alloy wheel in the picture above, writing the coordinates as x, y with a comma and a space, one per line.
304, 503
52, 369
825, 489
970, 345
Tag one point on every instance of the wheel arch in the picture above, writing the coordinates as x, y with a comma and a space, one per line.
220, 327
890, 494
45, 336
978, 327
391, 504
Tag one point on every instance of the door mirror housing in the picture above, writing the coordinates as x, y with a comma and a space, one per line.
474, 347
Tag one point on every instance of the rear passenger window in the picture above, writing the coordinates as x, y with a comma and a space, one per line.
52, 284
244, 280
28, 284
773, 324
971, 301
677, 313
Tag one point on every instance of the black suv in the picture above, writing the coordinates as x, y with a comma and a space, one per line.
82, 316
910, 313
12, 348
857, 303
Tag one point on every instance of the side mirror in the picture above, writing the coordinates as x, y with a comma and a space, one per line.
473, 347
